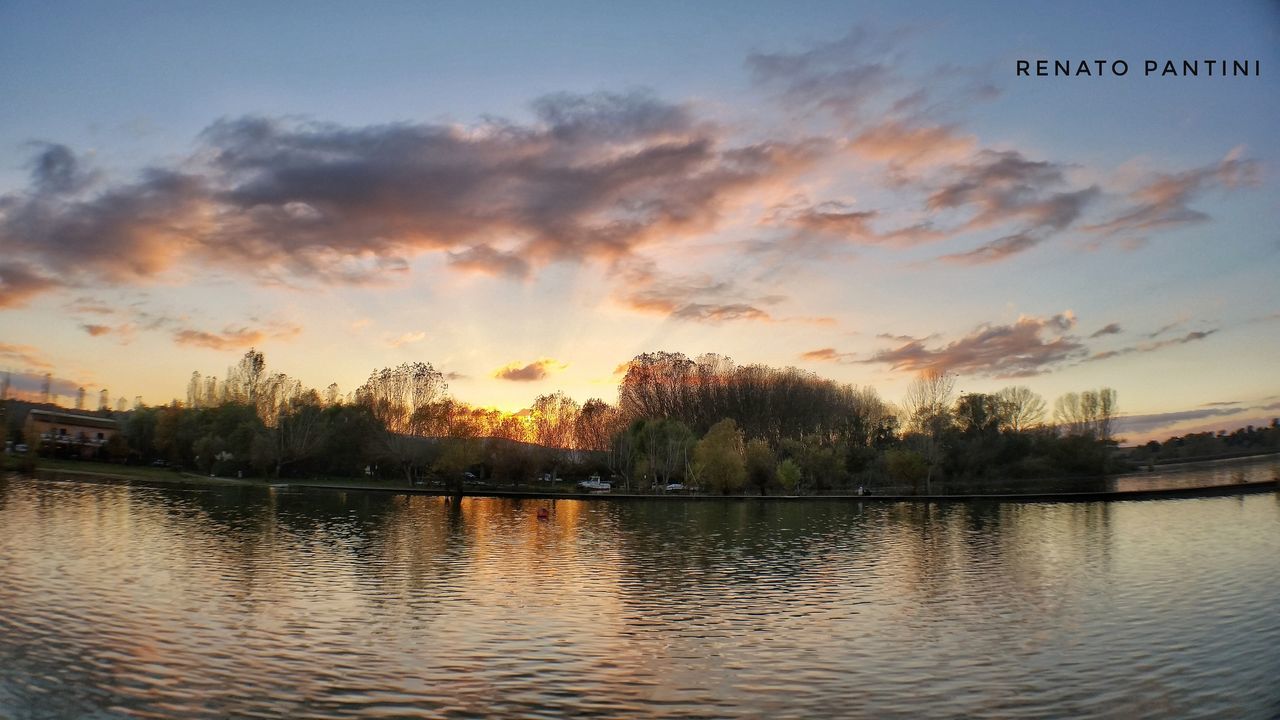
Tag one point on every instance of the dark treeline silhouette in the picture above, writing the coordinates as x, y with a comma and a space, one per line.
704, 423
1248, 440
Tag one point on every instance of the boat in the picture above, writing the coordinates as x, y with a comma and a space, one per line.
595, 484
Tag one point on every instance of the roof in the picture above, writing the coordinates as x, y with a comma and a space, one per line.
59, 418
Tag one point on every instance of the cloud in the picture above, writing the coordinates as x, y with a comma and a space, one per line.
408, 338
595, 177
486, 260
719, 313
96, 330
125, 233
91, 306
836, 221
843, 77
1110, 329
19, 283
30, 386
1223, 403
699, 298
1166, 328
232, 338
826, 355
529, 372
906, 148
1004, 187
26, 355
1028, 347
1152, 346
1165, 200
55, 170
858, 80
1142, 424
989, 190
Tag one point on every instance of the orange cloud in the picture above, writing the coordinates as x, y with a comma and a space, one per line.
232, 338
529, 372
24, 354
903, 146
407, 339
826, 355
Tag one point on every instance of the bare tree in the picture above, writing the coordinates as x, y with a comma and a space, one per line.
211, 391
1090, 413
1020, 408
195, 390
394, 397
928, 405
929, 400
245, 380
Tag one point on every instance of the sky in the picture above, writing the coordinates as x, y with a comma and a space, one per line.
527, 195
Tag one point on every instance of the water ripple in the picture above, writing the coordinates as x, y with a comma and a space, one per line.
242, 602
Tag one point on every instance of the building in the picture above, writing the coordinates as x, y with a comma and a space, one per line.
67, 434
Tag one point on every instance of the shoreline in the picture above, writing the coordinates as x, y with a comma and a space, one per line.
1248, 488
1228, 490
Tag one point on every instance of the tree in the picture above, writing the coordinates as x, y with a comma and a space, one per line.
1088, 414
298, 433
929, 400
195, 390
928, 404
245, 380
718, 458
595, 425
1020, 409
978, 414
788, 475
394, 396
761, 465
906, 466
555, 418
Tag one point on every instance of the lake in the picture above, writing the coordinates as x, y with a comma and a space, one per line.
133, 601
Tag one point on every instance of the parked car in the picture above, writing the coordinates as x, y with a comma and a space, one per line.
20, 448
674, 487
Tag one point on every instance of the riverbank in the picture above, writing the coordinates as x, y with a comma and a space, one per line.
1153, 494
160, 476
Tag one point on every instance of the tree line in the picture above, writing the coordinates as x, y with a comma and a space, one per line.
703, 422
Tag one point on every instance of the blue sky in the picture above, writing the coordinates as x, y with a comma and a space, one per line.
862, 190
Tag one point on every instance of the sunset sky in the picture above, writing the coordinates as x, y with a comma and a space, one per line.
526, 195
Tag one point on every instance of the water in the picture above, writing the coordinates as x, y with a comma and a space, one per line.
120, 601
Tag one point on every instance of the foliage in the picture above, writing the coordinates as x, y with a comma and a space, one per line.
906, 466
761, 465
788, 475
718, 460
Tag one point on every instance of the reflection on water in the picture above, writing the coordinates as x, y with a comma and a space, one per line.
229, 601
